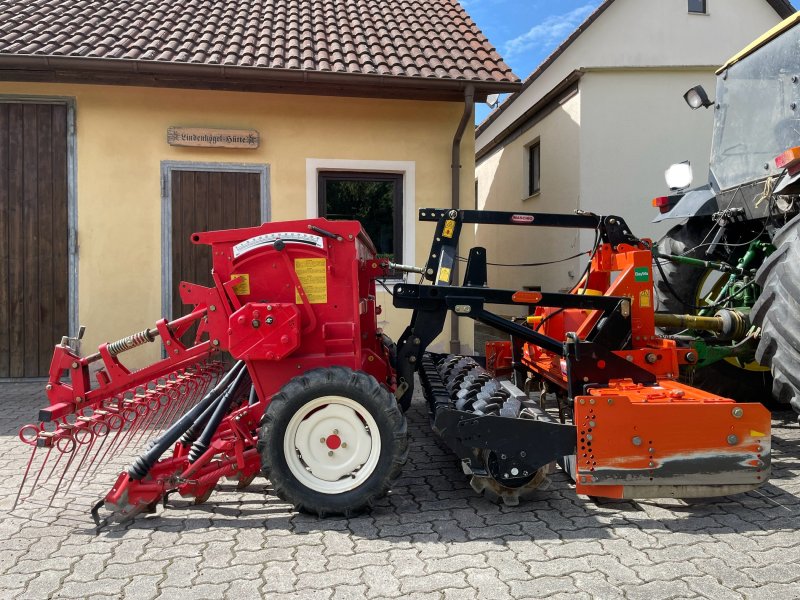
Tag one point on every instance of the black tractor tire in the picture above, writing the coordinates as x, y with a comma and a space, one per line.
721, 377
373, 401
777, 312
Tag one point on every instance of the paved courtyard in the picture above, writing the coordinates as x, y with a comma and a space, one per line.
433, 537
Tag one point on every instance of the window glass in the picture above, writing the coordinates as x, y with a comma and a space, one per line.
373, 199
697, 6
534, 168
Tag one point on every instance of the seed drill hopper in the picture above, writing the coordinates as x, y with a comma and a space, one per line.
280, 369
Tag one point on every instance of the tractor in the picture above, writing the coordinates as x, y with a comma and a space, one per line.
736, 251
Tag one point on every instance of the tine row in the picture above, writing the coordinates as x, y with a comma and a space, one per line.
99, 432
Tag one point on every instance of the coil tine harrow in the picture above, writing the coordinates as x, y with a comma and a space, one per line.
87, 425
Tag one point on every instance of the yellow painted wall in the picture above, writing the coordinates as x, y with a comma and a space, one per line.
121, 141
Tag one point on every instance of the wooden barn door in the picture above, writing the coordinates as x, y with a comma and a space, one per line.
34, 250
206, 201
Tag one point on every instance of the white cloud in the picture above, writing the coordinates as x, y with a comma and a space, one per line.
550, 32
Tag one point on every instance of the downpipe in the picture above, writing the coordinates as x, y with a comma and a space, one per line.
455, 172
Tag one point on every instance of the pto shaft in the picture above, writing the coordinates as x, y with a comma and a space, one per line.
689, 322
726, 324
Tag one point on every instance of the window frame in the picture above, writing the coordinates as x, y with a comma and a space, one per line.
534, 169
324, 176
704, 10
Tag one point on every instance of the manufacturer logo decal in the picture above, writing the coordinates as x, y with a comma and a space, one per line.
641, 274
522, 219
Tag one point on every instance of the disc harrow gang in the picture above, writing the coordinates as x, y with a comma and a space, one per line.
460, 383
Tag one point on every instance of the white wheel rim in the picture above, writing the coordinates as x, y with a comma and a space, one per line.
332, 444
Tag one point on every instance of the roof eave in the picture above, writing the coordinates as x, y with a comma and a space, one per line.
544, 66
562, 90
70, 69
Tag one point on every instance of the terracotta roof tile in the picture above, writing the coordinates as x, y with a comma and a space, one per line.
408, 38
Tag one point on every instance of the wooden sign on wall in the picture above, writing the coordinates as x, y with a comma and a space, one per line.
212, 138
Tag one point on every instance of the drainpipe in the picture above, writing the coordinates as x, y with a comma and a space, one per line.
455, 167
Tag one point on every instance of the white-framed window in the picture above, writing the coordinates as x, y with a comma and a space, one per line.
321, 171
698, 7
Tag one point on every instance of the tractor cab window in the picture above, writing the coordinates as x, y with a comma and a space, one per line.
373, 199
756, 115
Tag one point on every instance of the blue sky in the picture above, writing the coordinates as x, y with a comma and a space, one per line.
525, 32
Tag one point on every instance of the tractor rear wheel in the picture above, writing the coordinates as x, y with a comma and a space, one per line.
332, 441
777, 312
744, 382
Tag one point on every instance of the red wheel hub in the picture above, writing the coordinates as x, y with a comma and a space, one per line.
333, 441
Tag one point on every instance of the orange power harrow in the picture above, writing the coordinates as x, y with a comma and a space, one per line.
628, 428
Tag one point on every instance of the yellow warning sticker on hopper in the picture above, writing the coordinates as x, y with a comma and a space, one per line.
313, 276
243, 287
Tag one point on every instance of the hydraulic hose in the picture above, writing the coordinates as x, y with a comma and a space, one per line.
221, 408
194, 431
196, 428
253, 396
142, 465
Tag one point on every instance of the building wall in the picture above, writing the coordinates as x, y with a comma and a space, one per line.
635, 124
121, 142
502, 185
649, 33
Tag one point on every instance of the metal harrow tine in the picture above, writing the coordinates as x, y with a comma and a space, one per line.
150, 417
110, 418
24, 477
167, 410
161, 391
130, 409
93, 427
117, 436
71, 453
85, 434
140, 412
39, 474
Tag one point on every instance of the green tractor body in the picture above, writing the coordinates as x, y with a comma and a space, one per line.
735, 254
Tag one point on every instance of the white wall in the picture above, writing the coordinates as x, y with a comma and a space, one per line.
502, 185
648, 33
634, 124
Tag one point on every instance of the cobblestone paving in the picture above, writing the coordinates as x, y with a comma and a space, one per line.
431, 538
